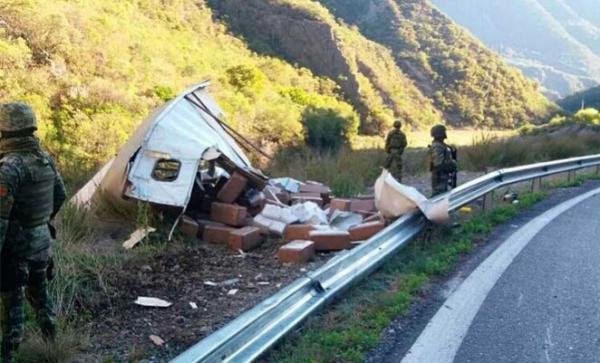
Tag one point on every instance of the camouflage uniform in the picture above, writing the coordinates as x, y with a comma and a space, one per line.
31, 193
441, 163
395, 143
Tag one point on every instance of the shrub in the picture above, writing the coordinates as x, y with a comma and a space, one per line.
588, 116
327, 128
246, 79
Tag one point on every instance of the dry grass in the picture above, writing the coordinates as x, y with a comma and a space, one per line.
67, 345
488, 152
353, 170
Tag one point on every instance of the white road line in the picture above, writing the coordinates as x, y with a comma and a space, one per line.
443, 335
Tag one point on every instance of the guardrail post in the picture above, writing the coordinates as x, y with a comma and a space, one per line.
571, 176
488, 201
536, 185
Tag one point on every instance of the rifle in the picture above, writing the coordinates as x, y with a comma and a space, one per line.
50, 271
453, 176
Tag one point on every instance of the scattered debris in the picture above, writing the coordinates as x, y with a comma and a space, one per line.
331, 240
230, 282
297, 252
287, 184
232, 292
465, 210
157, 340
394, 199
152, 302
363, 232
511, 197
193, 305
137, 236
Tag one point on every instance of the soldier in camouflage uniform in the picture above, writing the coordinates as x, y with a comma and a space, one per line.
395, 143
31, 193
442, 163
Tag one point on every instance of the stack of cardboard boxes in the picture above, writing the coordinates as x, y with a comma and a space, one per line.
243, 222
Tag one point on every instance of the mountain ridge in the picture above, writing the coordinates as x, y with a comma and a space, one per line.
553, 41
468, 83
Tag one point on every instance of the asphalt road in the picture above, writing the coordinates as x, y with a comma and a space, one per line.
546, 306
543, 306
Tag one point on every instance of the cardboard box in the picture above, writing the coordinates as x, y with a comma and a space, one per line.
232, 189
217, 234
298, 232
230, 214
330, 240
363, 232
245, 238
296, 252
362, 205
189, 227
340, 204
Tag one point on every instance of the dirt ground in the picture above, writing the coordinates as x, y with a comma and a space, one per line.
222, 284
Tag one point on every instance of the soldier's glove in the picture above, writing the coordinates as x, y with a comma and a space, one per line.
50, 273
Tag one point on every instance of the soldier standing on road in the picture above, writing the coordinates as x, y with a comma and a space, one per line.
31, 193
442, 161
395, 143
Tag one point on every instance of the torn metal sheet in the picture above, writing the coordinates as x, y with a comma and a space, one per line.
84, 196
170, 142
394, 199
344, 220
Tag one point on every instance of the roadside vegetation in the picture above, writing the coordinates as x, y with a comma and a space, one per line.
355, 167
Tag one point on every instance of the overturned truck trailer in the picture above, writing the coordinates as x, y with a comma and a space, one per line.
163, 160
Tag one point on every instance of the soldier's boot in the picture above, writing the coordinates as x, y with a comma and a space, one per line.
395, 168
12, 317
37, 294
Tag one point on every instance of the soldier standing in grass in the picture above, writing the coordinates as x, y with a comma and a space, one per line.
442, 161
395, 143
31, 193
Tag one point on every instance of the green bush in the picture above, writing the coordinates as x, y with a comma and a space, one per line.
588, 116
328, 129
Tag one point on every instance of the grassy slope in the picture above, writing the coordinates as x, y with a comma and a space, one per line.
94, 70
470, 84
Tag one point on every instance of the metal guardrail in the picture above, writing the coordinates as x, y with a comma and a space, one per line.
255, 331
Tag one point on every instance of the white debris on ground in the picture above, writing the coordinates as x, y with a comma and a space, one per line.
152, 302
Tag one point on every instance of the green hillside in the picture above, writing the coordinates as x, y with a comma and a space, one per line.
555, 41
94, 70
587, 98
470, 84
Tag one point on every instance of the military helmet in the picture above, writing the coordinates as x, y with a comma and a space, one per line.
16, 116
397, 124
438, 131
